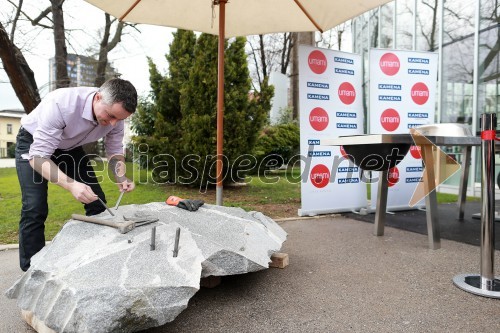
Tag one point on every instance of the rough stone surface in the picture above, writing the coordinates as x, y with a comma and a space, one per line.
94, 279
232, 241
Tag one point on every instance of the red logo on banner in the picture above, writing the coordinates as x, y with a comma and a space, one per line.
415, 152
389, 64
419, 93
342, 151
320, 176
390, 120
347, 94
317, 62
318, 118
393, 176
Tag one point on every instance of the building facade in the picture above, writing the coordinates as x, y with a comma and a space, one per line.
10, 122
465, 34
81, 71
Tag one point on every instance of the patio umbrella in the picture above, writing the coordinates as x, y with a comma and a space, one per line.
236, 18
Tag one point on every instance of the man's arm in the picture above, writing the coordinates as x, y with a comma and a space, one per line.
116, 165
49, 170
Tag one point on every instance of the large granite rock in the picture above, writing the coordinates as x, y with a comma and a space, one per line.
232, 241
91, 278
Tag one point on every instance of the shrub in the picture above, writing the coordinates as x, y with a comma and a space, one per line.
11, 151
277, 145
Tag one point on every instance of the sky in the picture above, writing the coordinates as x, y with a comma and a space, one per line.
83, 21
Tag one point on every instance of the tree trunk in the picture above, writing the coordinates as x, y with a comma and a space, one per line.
299, 38
104, 49
61, 53
286, 52
19, 72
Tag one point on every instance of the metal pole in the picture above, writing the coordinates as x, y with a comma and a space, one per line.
485, 284
475, 90
488, 123
220, 101
176, 244
152, 245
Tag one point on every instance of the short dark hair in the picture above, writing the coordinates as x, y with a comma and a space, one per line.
119, 91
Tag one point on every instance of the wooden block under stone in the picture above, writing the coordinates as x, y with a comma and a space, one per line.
210, 281
34, 322
279, 260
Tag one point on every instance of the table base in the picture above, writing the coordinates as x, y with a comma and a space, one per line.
472, 284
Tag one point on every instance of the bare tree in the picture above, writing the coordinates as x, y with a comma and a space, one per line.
269, 53
19, 72
61, 52
430, 36
52, 17
332, 39
106, 46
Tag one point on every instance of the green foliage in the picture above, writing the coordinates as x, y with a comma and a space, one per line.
159, 146
11, 151
143, 119
285, 116
182, 142
277, 145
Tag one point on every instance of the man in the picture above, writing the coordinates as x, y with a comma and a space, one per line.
49, 148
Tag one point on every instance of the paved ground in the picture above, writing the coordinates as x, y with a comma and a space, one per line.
340, 279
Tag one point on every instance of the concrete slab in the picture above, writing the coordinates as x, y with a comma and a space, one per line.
7, 163
340, 278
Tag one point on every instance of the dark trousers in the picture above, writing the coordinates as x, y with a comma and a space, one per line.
73, 163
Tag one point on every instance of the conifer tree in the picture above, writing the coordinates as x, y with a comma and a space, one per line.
183, 145
164, 145
244, 113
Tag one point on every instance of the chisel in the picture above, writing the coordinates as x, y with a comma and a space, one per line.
119, 199
104, 204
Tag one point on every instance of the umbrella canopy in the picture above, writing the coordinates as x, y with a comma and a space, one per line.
236, 18
243, 17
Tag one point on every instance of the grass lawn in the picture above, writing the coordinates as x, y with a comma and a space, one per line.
277, 194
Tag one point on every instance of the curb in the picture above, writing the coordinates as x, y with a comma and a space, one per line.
285, 219
6, 247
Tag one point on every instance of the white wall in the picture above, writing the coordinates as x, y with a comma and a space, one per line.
280, 99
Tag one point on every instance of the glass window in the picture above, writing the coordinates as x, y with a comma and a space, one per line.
489, 60
9, 128
458, 62
404, 25
387, 24
427, 25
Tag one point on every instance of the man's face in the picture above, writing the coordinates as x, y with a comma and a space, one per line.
108, 114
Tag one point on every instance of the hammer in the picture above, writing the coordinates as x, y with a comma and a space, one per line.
123, 227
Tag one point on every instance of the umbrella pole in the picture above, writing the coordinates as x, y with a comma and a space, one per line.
220, 102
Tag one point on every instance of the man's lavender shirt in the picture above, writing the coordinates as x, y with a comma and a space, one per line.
64, 120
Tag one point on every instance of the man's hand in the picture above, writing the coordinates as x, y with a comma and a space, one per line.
82, 192
49, 170
126, 186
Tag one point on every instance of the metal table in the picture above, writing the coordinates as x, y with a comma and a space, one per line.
426, 144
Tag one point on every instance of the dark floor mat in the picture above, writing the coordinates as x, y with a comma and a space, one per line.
466, 231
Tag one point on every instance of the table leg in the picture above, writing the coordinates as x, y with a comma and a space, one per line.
380, 213
464, 178
431, 198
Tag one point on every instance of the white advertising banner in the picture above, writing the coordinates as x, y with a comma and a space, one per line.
402, 96
331, 105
